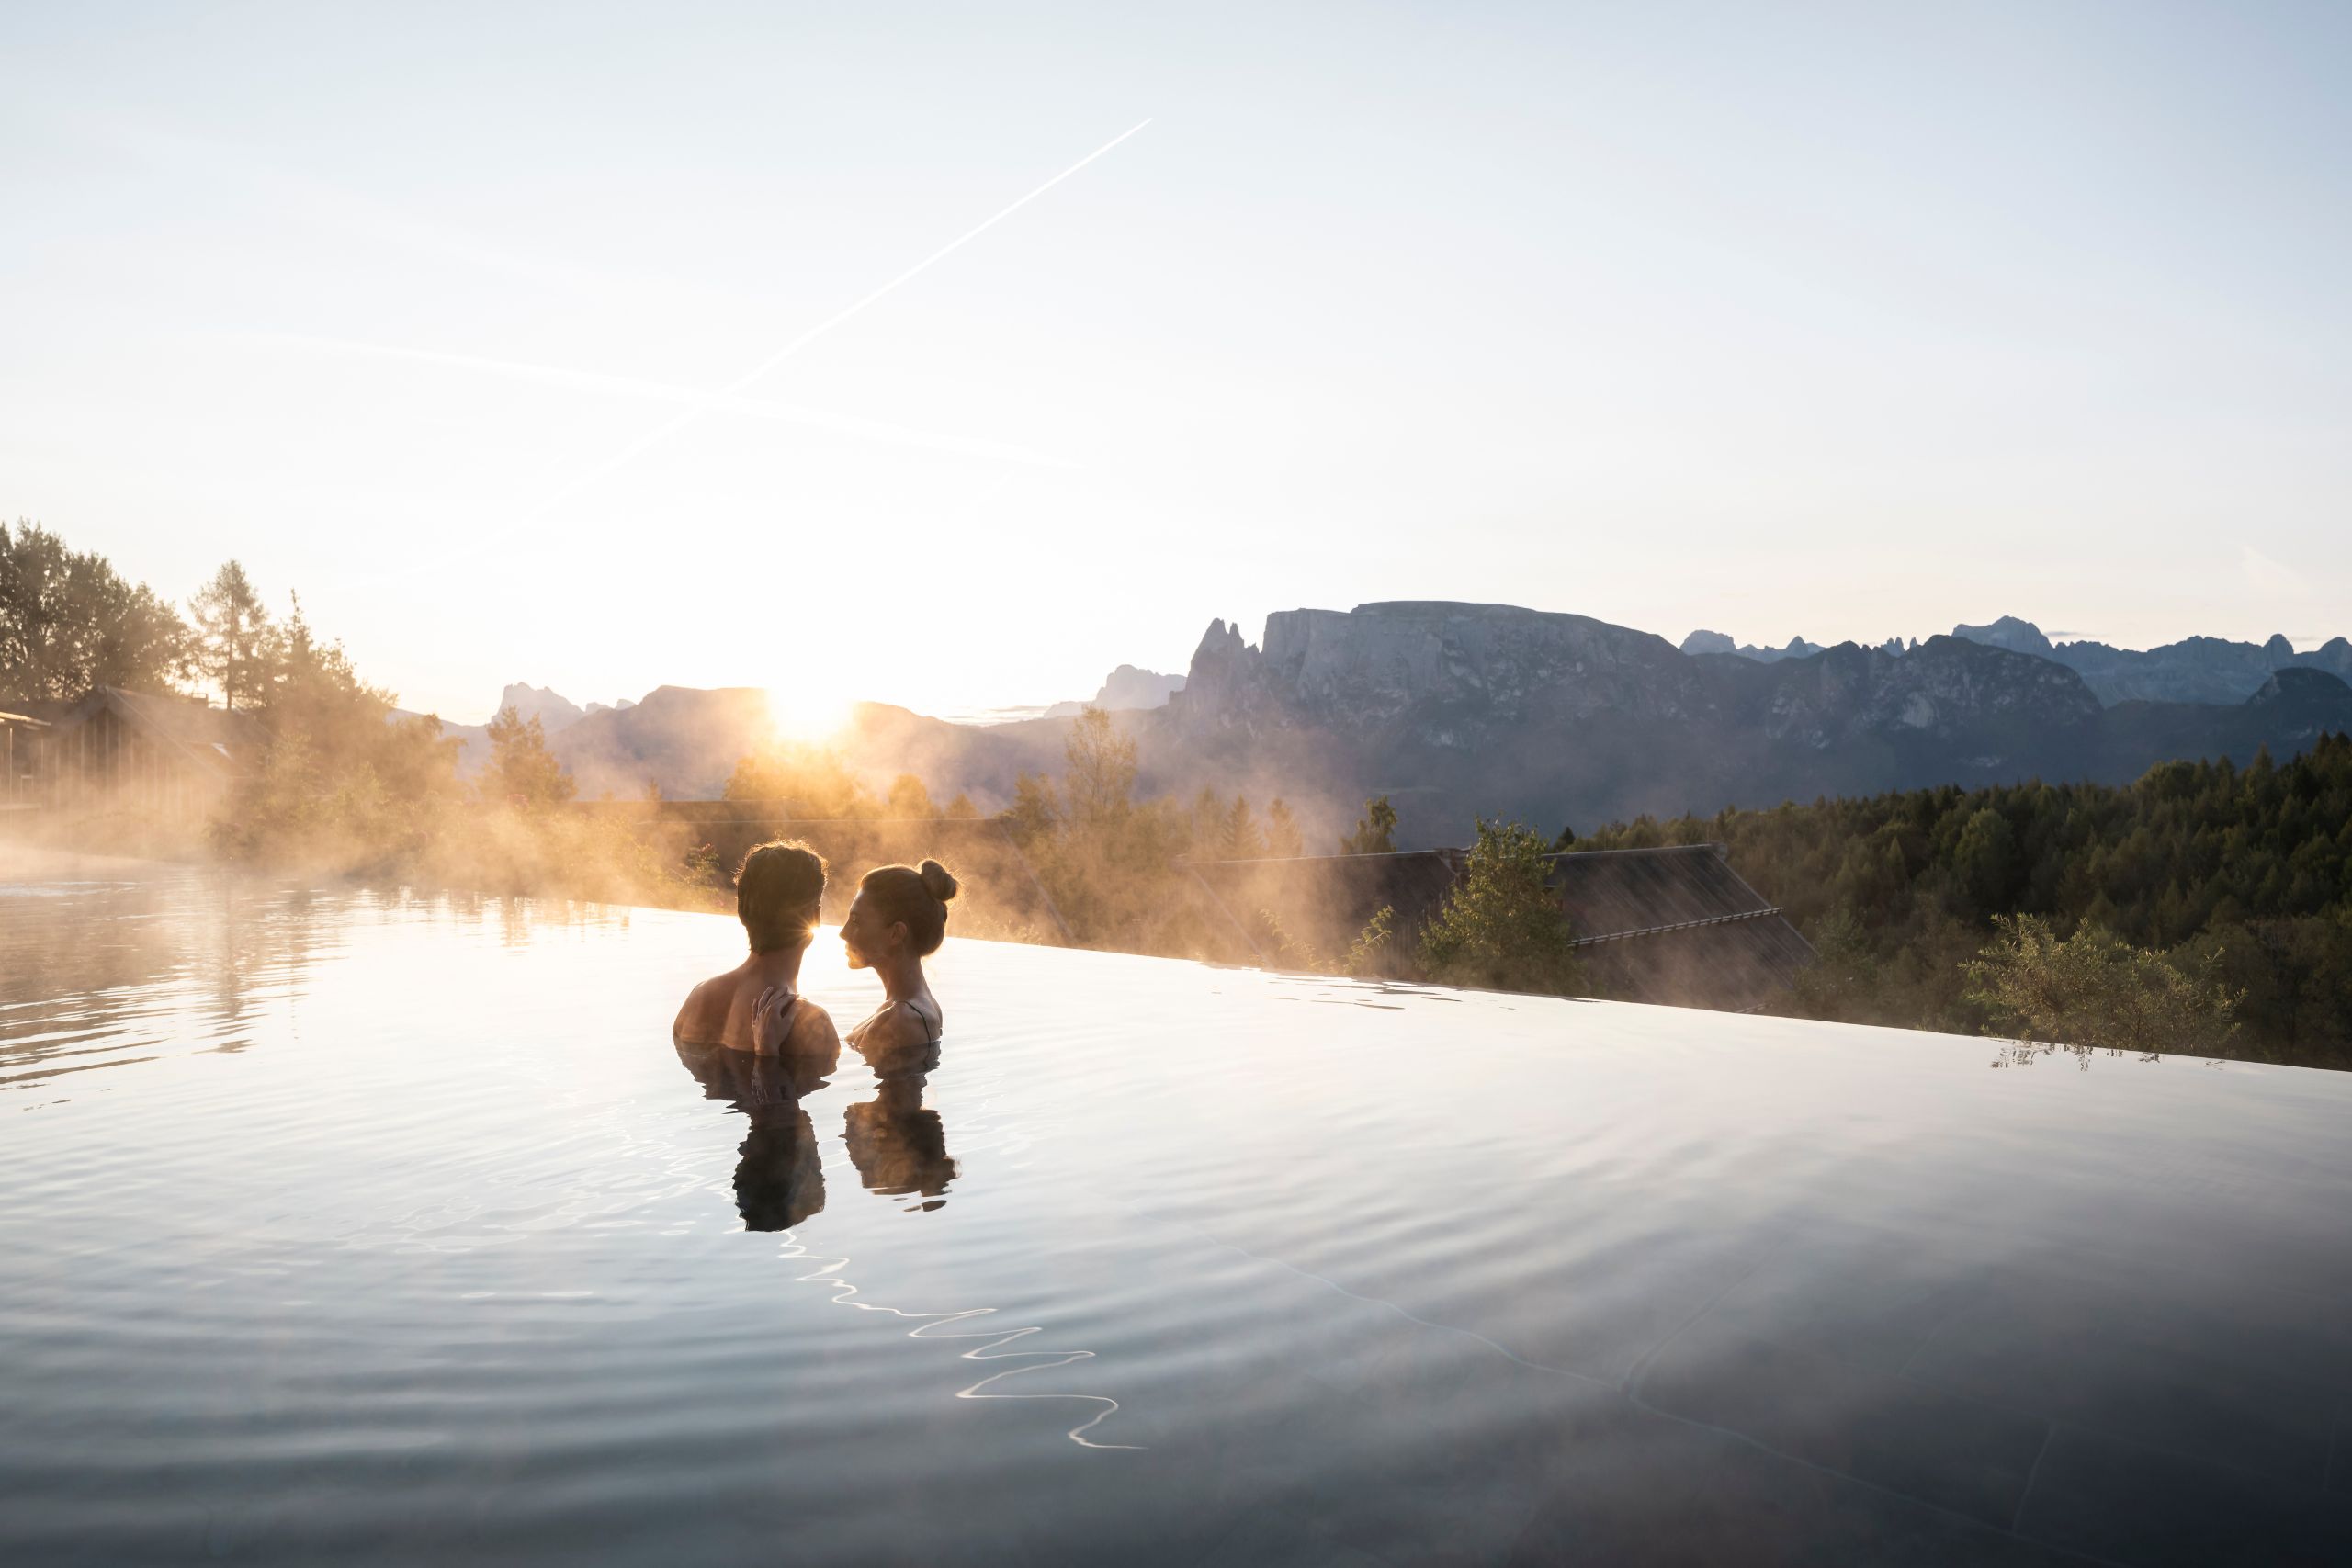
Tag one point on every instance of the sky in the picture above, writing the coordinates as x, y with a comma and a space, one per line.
952, 356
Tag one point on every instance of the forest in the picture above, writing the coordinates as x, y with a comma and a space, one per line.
2243, 874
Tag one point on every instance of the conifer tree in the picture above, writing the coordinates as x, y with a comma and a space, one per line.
232, 636
1283, 841
1238, 836
1501, 928
522, 770
1375, 831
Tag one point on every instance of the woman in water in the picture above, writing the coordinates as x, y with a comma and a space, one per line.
898, 920
757, 1005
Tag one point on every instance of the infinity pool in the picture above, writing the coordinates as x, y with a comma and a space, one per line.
353, 1228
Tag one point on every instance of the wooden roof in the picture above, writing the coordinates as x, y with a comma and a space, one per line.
211, 739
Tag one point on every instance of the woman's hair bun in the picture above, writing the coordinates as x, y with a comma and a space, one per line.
937, 880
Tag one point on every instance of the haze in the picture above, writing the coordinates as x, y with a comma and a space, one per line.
1823, 322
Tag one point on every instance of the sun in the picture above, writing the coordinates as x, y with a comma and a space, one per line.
809, 713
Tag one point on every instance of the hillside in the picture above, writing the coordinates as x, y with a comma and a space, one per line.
1454, 709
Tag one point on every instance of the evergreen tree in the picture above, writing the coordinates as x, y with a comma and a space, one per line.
522, 771
908, 799
1036, 811
1207, 824
232, 636
298, 671
1283, 841
1375, 831
1984, 860
1237, 837
1501, 927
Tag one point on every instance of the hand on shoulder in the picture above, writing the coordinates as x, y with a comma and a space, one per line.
784, 1022
813, 1033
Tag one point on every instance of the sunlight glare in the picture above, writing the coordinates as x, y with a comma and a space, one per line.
808, 714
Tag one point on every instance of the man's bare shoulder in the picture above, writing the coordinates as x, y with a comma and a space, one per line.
703, 1020
813, 1031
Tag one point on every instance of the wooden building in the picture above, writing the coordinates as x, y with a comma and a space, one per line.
19, 741
163, 758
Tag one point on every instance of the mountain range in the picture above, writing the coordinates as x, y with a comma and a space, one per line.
1456, 709
553, 710
2194, 670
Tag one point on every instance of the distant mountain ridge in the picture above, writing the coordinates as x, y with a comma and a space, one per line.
1126, 690
1460, 709
554, 711
1716, 642
2194, 669
1456, 709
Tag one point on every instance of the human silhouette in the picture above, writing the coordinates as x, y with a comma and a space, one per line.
757, 1005
898, 919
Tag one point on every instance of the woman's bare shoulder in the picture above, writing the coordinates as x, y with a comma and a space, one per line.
894, 1025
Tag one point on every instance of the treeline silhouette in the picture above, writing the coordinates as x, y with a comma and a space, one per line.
337, 782
2243, 874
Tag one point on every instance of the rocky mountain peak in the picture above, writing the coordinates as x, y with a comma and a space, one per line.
2017, 635
1700, 642
553, 710
2305, 686
1127, 689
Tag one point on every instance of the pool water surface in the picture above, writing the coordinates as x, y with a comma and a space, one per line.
349, 1227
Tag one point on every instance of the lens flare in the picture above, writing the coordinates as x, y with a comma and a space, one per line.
809, 715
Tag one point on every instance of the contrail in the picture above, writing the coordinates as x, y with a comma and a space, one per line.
668, 393
950, 248
631, 450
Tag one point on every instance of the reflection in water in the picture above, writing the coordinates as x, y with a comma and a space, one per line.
900, 1148
108, 963
939, 1326
2025, 1052
778, 1179
84, 960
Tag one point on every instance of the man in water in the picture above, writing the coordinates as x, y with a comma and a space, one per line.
779, 890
